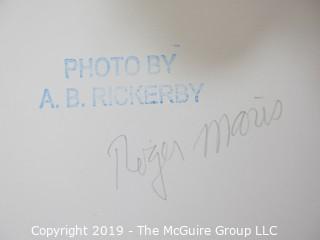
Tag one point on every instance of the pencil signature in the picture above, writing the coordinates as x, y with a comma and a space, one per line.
212, 136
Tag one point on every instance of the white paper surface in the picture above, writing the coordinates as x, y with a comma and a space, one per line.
159, 113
